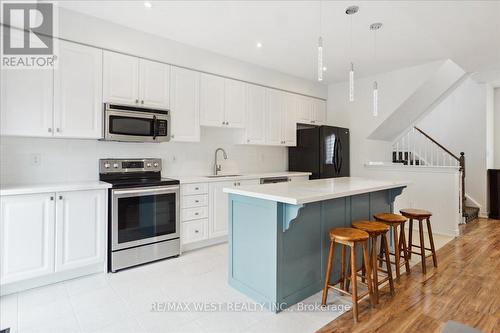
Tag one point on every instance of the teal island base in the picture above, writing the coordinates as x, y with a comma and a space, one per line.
278, 251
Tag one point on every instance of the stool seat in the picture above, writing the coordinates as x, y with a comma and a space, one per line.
370, 226
413, 213
390, 218
348, 234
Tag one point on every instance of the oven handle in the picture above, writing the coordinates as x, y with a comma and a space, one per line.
149, 190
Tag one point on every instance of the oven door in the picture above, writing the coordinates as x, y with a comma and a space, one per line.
144, 215
136, 126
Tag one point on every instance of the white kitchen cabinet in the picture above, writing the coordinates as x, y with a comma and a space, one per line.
218, 206
120, 78
154, 84
234, 103
78, 92
298, 178
255, 115
185, 104
27, 237
222, 102
289, 120
26, 102
281, 118
194, 231
311, 110
212, 101
319, 111
80, 229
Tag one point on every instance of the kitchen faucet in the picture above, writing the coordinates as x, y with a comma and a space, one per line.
218, 167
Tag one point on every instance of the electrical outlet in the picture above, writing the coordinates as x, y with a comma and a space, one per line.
36, 159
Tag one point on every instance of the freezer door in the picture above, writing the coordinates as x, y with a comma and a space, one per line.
305, 156
342, 153
328, 152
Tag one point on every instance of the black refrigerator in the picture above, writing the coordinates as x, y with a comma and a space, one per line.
322, 150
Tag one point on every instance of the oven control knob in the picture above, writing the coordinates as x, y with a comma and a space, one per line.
148, 165
155, 164
115, 165
107, 165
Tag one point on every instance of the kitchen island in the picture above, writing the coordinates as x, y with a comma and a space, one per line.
278, 233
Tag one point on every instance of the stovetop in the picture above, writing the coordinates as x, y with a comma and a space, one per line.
141, 182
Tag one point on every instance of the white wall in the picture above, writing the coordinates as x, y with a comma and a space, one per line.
496, 144
77, 160
93, 31
459, 123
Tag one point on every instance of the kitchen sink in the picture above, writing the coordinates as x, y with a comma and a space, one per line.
222, 176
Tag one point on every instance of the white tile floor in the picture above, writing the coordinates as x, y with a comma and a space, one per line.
122, 302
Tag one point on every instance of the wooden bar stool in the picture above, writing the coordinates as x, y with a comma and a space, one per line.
374, 230
420, 215
348, 237
396, 221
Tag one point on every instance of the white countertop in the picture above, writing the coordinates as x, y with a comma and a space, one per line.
205, 179
314, 190
15, 189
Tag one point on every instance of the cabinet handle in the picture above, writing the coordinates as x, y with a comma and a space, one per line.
172, 136
136, 101
196, 214
60, 197
142, 102
196, 231
50, 130
239, 183
196, 188
248, 140
58, 130
227, 122
196, 201
51, 198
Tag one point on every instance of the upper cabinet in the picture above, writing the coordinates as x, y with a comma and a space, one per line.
310, 110
280, 118
63, 102
134, 81
255, 132
222, 102
78, 92
185, 104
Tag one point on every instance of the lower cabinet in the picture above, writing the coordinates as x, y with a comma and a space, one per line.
47, 233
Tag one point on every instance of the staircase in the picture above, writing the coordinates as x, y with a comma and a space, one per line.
417, 148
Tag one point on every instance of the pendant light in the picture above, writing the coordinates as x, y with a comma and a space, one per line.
351, 10
375, 27
320, 47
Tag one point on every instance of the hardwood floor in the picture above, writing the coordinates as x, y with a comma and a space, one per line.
465, 287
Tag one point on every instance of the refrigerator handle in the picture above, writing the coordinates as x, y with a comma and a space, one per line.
334, 154
339, 154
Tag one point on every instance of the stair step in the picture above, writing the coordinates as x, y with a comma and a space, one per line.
470, 213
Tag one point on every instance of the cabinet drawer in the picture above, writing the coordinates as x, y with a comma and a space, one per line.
194, 231
194, 213
198, 188
189, 201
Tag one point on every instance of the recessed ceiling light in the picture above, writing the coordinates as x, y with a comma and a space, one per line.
324, 68
148, 4
258, 45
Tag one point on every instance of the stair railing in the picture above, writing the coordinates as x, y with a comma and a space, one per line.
417, 148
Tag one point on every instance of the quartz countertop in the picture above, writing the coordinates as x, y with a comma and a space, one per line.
315, 190
15, 189
205, 179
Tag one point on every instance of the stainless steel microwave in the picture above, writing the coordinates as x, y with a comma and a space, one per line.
135, 124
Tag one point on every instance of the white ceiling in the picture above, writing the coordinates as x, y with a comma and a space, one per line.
414, 32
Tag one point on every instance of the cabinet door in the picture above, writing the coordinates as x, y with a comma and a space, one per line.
319, 112
154, 84
78, 92
289, 119
255, 114
218, 206
194, 231
26, 102
234, 106
80, 229
120, 78
27, 237
304, 109
212, 100
274, 115
185, 100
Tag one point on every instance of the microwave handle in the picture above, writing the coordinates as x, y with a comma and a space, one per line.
154, 127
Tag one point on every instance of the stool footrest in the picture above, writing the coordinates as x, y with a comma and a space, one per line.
426, 248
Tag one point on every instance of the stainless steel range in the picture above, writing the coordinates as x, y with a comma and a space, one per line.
143, 212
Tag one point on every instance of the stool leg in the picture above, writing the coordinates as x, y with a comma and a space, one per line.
381, 255
329, 265
374, 268
396, 251
410, 238
342, 268
422, 245
431, 240
366, 261
354, 284
405, 250
388, 260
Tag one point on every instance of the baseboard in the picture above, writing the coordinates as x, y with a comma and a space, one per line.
203, 243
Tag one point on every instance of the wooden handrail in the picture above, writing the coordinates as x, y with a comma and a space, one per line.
438, 144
